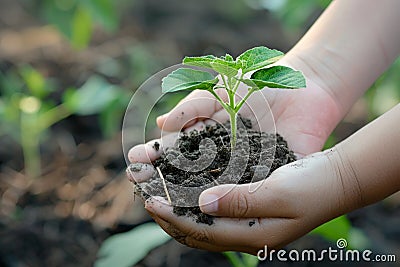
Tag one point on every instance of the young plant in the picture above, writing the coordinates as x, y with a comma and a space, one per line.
27, 110
231, 73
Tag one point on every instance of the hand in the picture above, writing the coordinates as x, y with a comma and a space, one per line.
305, 117
292, 201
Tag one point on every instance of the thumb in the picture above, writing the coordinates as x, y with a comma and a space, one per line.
238, 201
197, 105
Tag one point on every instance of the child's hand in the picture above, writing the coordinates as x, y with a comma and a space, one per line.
304, 117
293, 200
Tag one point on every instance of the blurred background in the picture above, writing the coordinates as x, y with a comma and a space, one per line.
67, 71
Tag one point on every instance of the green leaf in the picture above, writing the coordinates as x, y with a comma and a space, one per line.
341, 228
81, 28
334, 229
276, 77
35, 81
188, 79
225, 67
203, 61
59, 17
127, 249
228, 57
258, 57
249, 260
93, 97
103, 11
111, 116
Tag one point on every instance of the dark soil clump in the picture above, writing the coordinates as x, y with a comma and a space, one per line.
195, 164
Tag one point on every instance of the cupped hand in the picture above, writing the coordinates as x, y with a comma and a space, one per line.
304, 117
295, 199
286, 205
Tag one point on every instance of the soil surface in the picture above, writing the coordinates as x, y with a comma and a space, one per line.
195, 164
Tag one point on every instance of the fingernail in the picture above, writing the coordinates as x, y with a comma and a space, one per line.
161, 200
135, 167
208, 203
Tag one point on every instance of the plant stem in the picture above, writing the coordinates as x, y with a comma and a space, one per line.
53, 116
228, 89
32, 126
233, 119
250, 91
237, 83
223, 104
30, 145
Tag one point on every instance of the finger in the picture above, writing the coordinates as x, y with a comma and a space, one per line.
200, 125
226, 234
199, 104
140, 172
152, 150
186, 239
221, 116
239, 201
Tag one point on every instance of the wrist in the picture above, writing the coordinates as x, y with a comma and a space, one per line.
318, 66
346, 188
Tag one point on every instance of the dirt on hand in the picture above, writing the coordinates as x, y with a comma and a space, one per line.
255, 157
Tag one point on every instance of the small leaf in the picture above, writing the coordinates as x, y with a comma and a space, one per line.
93, 97
81, 28
203, 61
340, 228
35, 81
334, 229
104, 12
228, 57
188, 79
258, 57
127, 249
276, 77
225, 67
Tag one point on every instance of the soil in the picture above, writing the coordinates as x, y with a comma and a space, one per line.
261, 153
62, 218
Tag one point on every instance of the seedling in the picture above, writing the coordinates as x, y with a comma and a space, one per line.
231, 73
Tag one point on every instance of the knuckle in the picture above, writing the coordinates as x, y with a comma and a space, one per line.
190, 242
239, 204
200, 235
176, 234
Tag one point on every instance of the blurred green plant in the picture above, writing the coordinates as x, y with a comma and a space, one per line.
76, 20
340, 228
27, 110
241, 259
127, 249
384, 93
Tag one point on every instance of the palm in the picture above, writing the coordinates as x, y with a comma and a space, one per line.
305, 117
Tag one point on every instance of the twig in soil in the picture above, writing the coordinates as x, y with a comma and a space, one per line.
164, 184
222, 140
214, 170
216, 182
